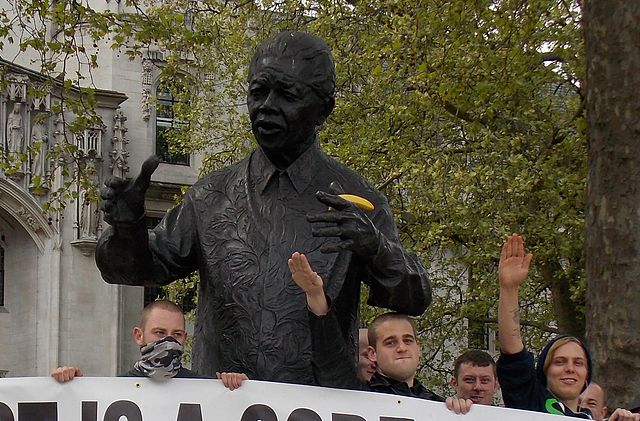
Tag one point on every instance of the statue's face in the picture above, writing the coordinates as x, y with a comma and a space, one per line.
283, 109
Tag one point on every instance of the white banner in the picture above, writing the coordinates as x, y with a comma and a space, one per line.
138, 399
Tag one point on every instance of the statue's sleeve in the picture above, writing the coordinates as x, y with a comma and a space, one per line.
397, 279
132, 255
331, 361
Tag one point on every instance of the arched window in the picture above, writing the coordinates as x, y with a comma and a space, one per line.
164, 123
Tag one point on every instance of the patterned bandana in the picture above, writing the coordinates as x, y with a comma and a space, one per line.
160, 359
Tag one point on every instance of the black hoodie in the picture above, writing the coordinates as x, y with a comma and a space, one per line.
524, 386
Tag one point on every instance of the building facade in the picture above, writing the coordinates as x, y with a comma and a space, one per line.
55, 309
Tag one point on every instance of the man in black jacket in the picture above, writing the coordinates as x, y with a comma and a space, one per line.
393, 346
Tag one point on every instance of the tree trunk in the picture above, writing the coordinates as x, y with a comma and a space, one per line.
566, 312
612, 37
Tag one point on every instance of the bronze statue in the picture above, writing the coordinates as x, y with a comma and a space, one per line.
239, 225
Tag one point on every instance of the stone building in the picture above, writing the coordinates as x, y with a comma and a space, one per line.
55, 309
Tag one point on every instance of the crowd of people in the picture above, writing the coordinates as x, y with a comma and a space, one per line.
559, 383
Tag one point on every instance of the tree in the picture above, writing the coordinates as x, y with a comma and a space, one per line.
468, 115
49, 33
613, 199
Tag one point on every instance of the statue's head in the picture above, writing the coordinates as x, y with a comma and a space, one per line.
291, 92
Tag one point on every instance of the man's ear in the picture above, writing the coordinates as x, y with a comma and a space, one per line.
328, 108
371, 353
137, 336
331, 103
454, 382
605, 412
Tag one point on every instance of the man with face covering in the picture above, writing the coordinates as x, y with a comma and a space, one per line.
161, 335
239, 225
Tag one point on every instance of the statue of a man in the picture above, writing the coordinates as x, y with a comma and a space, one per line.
238, 226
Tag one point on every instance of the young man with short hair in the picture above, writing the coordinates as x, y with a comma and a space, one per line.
593, 399
366, 367
393, 345
475, 377
161, 334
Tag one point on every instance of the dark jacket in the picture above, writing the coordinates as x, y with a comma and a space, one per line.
333, 366
383, 384
524, 385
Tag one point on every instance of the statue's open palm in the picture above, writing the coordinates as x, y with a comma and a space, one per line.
514, 264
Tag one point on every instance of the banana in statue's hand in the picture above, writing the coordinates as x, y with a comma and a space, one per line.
360, 202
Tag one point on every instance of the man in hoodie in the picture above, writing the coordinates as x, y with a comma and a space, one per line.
564, 366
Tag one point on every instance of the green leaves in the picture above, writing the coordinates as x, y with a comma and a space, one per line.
467, 114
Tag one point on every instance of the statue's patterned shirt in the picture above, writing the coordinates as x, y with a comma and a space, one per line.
239, 226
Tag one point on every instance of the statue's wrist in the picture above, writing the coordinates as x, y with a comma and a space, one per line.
130, 229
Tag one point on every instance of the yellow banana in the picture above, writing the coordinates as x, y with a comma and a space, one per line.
360, 202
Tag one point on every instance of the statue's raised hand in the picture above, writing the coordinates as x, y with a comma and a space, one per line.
349, 224
122, 200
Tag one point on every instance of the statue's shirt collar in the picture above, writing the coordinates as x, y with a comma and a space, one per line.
301, 172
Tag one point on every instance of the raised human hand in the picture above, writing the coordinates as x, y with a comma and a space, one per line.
308, 280
514, 263
351, 226
122, 200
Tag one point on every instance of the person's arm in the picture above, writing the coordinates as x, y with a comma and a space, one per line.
65, 374
332, 364
512, 271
